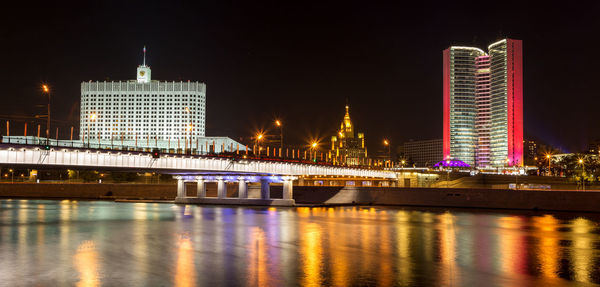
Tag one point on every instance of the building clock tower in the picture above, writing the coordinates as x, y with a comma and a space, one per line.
143, 71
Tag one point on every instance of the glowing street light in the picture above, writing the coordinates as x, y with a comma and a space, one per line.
259, 137
46, 90
582, 163
387, 143
280, 126
313, 147
549, 161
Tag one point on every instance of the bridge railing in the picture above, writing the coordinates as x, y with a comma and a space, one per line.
226, 152
73, 157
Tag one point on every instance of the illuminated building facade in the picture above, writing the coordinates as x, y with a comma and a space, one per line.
142, 108
146, 113
483, 104
347, 147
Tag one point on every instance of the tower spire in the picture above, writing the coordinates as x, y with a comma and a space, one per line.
144, 55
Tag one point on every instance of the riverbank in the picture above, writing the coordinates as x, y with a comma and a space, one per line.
558, 200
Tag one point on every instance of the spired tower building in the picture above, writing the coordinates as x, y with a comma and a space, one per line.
483, 104
347, 147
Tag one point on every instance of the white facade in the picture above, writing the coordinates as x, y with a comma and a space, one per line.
143, 110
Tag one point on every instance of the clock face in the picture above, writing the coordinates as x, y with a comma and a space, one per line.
142, 73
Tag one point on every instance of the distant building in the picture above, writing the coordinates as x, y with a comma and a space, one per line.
424, 152
483, 104
347, 147
594, 146
531, 149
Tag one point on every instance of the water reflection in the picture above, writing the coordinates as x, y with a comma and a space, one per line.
257, 255
102, 243
311, 253
185, 274
86, 262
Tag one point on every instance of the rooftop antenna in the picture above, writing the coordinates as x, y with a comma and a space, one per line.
144, 55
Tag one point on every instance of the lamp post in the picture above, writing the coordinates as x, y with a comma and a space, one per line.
278, 124
258, 139
582, 163
92, 119
389, 155
447, 173
46, 90
313, 148
549, 160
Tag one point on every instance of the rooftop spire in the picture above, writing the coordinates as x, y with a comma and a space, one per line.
144, 55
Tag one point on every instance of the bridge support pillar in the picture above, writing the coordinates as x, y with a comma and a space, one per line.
287, 188
265, 192
201, 189
180, 188
221, 189
243, 188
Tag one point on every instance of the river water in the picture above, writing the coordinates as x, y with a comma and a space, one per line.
99, 243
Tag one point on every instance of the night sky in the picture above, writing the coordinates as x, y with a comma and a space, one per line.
301, 61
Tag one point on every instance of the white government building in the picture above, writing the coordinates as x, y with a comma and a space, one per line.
146, 113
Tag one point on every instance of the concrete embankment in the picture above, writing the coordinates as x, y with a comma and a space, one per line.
559, 200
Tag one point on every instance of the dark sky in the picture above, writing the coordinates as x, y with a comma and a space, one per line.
301, 60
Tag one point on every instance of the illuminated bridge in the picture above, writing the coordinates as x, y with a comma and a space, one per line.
187, 168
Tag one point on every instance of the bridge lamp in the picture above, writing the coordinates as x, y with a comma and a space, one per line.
387, 143
280, 126
46, 91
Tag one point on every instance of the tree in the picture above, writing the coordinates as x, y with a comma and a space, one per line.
89, 175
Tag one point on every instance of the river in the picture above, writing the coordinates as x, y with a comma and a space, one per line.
101, 243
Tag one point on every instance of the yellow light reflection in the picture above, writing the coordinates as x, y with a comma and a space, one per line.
385, 250
548, 247
86, 262
582, 255
140, 237
312, 254
512, 245
403, 248
340, 263
257, 265
449, 272
185, 274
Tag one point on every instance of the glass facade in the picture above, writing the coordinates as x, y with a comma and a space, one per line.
483, 110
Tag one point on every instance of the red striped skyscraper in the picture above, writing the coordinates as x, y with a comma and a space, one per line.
483, 104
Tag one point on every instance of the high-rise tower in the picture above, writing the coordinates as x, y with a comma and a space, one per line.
483, 104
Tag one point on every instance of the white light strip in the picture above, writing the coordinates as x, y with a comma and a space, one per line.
467, 48
499, 42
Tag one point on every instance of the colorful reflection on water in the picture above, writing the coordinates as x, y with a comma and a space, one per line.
87, 243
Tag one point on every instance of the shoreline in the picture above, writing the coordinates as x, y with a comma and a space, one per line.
320, 196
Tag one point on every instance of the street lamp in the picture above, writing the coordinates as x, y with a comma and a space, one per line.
46, 90
582, 163
387, 143
92, 119
447, 173
280, 126
549, 160
259, 137
313, 147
